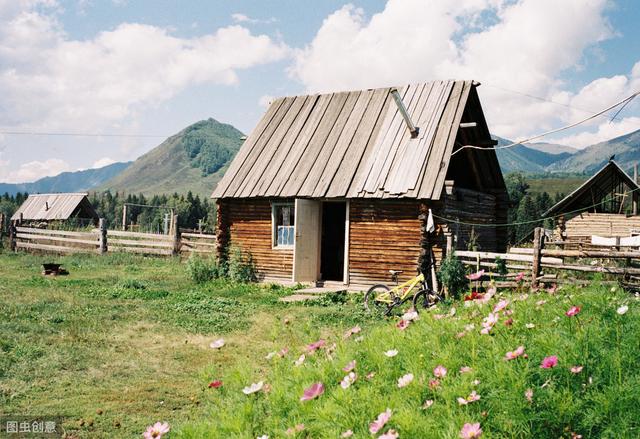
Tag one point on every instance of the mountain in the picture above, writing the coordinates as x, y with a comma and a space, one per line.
552, 148
192, 160
78, 181
590, 159
521, 158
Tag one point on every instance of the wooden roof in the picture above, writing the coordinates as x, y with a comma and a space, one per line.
351, 144
609, 183
45, 207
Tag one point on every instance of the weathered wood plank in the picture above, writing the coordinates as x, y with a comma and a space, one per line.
34, 237
56, 232
53, 248
146, 243
154, 236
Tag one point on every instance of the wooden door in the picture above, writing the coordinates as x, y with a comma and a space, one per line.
307, 241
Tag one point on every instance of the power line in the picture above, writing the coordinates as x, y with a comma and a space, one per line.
557, 130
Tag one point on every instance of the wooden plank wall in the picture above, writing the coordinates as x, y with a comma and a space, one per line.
250, 228
469, 206
383, 235
580, 228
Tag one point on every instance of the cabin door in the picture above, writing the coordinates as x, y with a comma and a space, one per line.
306, 265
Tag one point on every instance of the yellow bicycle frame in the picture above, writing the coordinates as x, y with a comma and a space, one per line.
401, 291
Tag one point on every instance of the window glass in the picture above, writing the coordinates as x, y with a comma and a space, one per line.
284, 215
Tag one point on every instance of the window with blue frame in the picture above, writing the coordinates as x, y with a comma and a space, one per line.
283, 224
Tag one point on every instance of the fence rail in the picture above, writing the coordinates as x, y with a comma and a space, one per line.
100, 240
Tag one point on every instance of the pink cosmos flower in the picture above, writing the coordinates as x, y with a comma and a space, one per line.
541, 302
475, 276
508, 312
283, 352
528, 394
500, 306
370, 375
403, 324
434, 384
156, 431
574, 310
469, 399
253, 388
552, 289
471, 431
519, 276
352, 331
391, 434
348, 380
515, 354
508, 322
215, 384
380, 421
428, 403
549, 362
293, 430
438, 316
576, 369
405, 380
312, 392
440, 371
350, 366
312, 347
465, 369
347, 433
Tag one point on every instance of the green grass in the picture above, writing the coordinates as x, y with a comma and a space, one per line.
123, 341
554, 185
598, 402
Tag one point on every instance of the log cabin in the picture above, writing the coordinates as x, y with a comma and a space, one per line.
337, 187
43, 209
606, 205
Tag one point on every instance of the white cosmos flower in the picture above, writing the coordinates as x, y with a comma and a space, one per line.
391, 353
253, 388
217, 344
405, 380
623, 310
300, 360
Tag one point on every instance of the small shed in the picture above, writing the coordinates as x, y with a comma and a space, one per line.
338, 186
47, 208
605, 205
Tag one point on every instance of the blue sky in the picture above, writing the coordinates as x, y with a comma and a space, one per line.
152, 67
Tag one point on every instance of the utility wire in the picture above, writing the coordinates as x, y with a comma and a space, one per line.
520, 223
625, 101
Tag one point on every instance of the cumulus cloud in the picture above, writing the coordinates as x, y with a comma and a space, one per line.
50, 80
101, 163
525, 45
35, 170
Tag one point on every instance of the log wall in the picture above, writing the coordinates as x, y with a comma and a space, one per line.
249, 225
383, 235
578, 230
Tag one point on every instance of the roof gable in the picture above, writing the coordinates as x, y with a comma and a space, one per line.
351, 144
605, 182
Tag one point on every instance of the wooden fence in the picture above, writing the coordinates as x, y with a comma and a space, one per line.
612, 256
101, 241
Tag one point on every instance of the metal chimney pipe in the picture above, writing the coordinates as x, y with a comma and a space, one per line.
414, 130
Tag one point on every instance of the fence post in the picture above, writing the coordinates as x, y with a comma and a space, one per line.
538, 242
12, 236
124, 217
1, 225
176, 236
102, 227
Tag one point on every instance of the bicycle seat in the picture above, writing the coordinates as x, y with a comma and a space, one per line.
395, 272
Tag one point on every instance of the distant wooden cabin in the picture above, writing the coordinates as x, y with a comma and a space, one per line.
43, 209
606, 205
337, 187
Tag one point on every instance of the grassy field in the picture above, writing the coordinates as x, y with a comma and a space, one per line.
123, 341
554, 185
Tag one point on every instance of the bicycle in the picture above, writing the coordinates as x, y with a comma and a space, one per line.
382, 300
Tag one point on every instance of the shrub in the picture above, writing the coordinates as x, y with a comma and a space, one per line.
242, 267
452, 275
501, 266
202, 270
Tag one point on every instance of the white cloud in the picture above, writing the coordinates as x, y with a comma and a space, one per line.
604, 131
265, 100
48, 80
524, 45
242, 18
101, 163
32, 171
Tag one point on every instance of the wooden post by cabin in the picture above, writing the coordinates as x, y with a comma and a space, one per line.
634, 196
1, 225
176, 235
222, 231
538, 242
102, 236
12, 236
449, 249
124, 217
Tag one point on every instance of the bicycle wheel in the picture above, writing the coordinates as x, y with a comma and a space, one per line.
374, 306
424, 299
